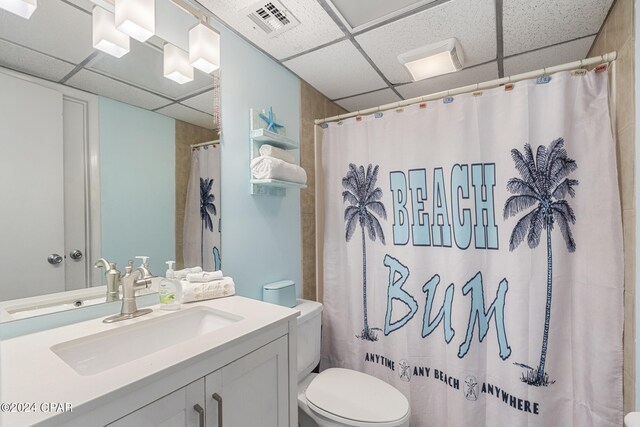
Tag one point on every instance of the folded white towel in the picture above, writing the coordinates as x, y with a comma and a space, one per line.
265, 167
205, 276
207, 290
278, 153
182, 274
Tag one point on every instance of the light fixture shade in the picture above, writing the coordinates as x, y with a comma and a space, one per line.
105, 35
433, 60
176, 64
204, 48
136, 18
23, 8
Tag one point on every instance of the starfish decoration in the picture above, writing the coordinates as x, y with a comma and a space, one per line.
271, 123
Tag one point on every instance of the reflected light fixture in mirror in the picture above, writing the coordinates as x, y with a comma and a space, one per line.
105, 35
204, 48
176, 64
23, 8
136, 18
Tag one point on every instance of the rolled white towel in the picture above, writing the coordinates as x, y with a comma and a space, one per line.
265, 167
201, 291
182, 274
205, 276
278, 153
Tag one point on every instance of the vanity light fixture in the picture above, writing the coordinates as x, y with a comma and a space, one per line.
433, 60
105, 35
204, 48
136, 18
176, 64
22, 8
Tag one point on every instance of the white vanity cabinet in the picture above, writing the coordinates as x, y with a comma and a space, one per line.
242, 351
175, 409
250, 391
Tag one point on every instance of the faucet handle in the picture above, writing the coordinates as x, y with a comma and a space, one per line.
143, 259
129, 267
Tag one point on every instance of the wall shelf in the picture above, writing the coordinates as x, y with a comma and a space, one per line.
278, 183
265, 136
259, 136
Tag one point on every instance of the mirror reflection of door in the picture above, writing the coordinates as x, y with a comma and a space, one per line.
42, 160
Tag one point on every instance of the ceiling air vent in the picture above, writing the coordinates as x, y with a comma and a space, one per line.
272, 17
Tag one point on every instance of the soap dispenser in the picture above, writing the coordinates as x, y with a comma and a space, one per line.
169, 290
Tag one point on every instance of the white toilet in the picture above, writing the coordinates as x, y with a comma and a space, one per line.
340, 397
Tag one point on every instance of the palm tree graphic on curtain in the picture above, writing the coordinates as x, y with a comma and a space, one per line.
543, 185
206, 207
363, 198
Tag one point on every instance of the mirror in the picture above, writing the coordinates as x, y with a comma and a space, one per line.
109, 179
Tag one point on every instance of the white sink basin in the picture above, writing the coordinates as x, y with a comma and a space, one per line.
105, 350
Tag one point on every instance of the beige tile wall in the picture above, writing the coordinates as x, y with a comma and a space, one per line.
617, 34
186, 134
313, 105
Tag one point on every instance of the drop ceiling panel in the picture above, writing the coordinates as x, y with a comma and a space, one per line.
547, 57
479, 74
472, 22
362, 13
30, 62
530, 26
202, 102
143, 67
316, 27
338, 70
188, 115
368, 100
55, 28
100, 85
173, 24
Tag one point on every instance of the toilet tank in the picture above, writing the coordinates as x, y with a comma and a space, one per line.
309, 323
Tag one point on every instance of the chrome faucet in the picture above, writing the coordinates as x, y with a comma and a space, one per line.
113, 279
144, 265
133, 280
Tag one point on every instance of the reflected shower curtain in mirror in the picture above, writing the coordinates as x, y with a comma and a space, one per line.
473, 255
201, 236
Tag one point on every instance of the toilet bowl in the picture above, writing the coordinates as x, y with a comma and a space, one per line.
340, 397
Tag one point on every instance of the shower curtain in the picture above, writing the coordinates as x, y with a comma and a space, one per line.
201, 237
473, 255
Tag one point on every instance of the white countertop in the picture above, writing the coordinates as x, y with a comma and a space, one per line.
30, 373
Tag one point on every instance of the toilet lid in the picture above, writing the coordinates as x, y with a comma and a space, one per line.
356, 396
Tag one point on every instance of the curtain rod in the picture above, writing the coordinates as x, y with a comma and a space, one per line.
607, 57
204, 144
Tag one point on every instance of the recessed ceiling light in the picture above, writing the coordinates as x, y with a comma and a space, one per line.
23, 8
433, 60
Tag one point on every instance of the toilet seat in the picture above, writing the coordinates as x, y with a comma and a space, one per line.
355, 399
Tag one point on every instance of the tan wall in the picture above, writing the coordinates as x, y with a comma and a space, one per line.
617, 34
313, 105
186, 134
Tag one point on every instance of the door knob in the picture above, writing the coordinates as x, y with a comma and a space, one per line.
76, 254
54, 259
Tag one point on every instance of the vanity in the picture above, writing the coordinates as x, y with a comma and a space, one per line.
224, 362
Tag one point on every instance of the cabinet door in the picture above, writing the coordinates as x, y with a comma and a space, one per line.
252, 391
174, 410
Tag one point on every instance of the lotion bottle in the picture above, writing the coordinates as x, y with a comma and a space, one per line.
169, 290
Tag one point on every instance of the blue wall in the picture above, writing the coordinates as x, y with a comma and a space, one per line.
260, 234
137, 184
